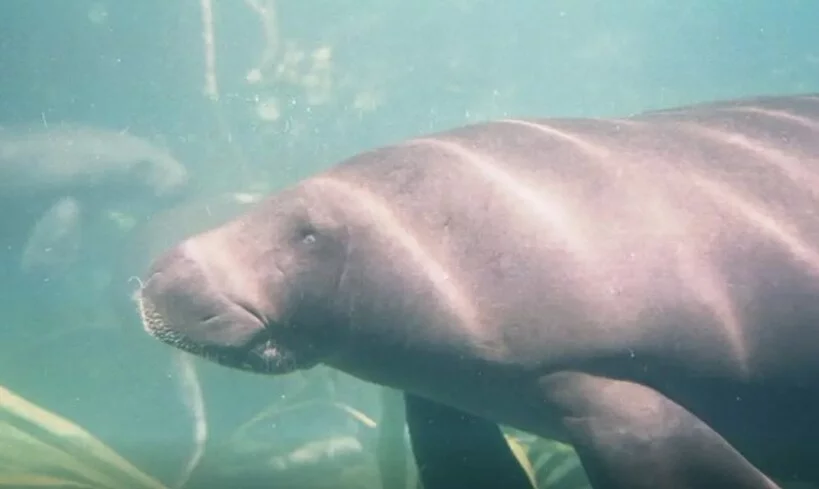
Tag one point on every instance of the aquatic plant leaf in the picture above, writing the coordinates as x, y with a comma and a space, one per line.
520, 453
355, 413
556, 465
41, 441
560, 474
33, 480
23, 450
391, 450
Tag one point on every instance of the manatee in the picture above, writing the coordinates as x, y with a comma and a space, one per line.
52, 178
645, 288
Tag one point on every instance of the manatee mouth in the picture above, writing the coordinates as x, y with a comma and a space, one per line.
236, 337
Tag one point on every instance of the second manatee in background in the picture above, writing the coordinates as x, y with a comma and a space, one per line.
53, 180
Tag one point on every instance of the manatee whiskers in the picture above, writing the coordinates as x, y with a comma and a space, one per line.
151, 320
263, 357
154, 324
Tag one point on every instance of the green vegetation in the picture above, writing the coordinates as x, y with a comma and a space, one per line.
41, 449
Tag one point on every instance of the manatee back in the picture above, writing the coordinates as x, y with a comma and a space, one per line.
73, 158
600, 223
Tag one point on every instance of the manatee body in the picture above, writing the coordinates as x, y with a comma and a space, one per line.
72, 158
50, 177
644, 288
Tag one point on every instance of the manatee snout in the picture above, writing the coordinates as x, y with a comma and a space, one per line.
188, 304
261, 292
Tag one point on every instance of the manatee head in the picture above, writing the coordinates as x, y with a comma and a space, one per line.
260, 293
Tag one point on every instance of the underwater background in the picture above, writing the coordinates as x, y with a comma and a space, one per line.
128, 125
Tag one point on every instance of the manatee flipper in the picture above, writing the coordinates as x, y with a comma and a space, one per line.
456, 449
54, 242
629, 436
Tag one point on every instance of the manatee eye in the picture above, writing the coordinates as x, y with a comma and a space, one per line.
307, 234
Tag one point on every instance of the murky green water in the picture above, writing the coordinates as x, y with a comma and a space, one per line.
249, 96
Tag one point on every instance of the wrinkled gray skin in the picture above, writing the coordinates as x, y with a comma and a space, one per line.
644, 288
52, 178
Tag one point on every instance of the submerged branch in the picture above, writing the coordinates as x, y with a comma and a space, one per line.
211, 87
